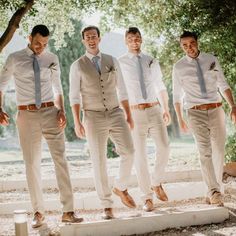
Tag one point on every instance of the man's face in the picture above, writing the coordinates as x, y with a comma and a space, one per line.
38, 43
91, 41
189, 46
133, 42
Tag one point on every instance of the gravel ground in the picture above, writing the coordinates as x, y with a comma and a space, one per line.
183, 157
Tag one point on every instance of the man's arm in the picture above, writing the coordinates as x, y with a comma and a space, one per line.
61, 117
230, 100
79, 128
179, 113
164, 98
125, 105
4, 118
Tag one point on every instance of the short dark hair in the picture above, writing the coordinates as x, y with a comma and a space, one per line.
40, 29
132, 30
186, 34
90, 27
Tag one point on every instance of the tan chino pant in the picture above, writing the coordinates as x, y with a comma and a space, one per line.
149, 123
32, 126
208, 128
98, 127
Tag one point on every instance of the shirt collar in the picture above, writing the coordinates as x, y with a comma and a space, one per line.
30, 52
132, 55
190, 59
90, 56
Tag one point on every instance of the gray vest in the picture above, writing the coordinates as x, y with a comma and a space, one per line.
98, 91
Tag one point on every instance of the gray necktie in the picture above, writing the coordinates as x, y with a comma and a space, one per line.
37, 82
141, 78
201, 79
95, 62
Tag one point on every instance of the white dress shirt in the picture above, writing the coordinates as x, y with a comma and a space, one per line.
152, 77
75, 79
20, 66
186, 87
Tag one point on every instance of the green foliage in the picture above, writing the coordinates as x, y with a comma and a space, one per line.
230, 149
111, 150
67, 55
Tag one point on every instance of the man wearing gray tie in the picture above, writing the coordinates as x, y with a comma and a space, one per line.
149, 107
196, 79
37, 82
96, 78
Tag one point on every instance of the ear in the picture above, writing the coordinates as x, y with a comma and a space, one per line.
30, 38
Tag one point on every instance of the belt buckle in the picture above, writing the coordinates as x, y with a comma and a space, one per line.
141, 106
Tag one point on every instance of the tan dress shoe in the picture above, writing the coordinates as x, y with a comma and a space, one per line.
70, 217
148, 206
108, 215
125, 197
160, 193
37, 220
216, 199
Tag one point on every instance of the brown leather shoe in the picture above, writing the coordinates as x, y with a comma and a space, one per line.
70, 217
108, 215
216, 199
160, 193
125, 197
148, 206
38, 220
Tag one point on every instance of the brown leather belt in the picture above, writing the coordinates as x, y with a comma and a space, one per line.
32, 107
205, 107
143, 106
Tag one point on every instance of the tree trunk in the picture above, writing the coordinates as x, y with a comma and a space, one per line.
14, 23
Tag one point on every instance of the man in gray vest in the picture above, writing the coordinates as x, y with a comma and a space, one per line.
96, 78
197, 77
37, 80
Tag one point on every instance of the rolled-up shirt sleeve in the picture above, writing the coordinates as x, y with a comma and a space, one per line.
7, 72
56, 77
121, 88
75, 78
157, 74
176, 86
221, 82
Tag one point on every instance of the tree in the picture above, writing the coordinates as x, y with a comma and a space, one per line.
67, 55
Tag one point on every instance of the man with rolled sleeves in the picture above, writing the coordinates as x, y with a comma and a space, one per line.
196, 79
37, 80
143, 79
95, 77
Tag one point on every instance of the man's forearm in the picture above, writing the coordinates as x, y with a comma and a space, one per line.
229, 97
164, 98
125, 105
59, 102
179, 111
76, 113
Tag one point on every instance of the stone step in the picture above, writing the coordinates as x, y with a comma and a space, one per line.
155, 221
87, 182
89, 200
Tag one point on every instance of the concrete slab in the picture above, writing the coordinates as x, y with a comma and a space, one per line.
160, 220
87, 182
89, 200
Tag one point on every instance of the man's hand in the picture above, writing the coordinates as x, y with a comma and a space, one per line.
166, 117
79, 130
183, 125
61, 118
130, 121
4, 118
233, 114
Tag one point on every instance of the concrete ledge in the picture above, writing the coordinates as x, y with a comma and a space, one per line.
167, 218
171, 176
89, 200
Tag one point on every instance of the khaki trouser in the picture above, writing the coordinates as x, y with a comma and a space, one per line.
98, 127
32, 126
208, 128
149, 122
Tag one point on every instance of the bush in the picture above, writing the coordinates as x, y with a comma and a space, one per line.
111, 150
230, 149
